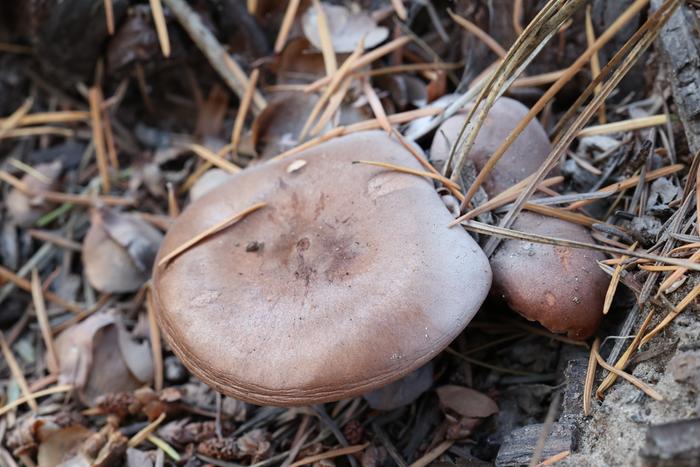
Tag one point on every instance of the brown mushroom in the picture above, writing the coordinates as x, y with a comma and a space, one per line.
356, 279
562, 288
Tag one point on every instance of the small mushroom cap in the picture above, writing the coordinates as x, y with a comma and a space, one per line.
523, 157
356, 279
563, 288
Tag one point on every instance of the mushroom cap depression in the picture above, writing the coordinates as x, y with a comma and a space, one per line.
347, 280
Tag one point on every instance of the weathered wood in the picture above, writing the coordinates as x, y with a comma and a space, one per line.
674, 444
679, 46
518, 447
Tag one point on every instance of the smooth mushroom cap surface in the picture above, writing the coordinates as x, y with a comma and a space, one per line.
520, 160
562, 288
355, 280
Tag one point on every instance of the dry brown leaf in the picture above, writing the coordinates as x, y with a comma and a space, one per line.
466, 402
119, 250
346, 28
24, 210
99, 356
62, 448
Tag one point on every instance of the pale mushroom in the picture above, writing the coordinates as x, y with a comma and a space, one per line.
353, 281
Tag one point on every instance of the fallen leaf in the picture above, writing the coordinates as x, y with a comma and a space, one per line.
346, 28
62, 448
466, 402
98, 356
119, 250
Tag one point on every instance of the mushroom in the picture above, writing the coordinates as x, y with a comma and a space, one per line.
355, 281
562, 288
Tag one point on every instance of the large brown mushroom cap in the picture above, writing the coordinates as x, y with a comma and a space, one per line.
354, 279
562, 288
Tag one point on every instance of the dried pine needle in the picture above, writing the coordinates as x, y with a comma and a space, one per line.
209, 232
43, 319
289, 14
156, 349
33, 396
400, 9
28, 169
555, 458
433, 454
408, 170
17, 373
161, 26
141, 436
24, 284
210, 156
595, 62
480, 34
330, 454
376, 106
677, 274
687, 300
324, 34
625, 125
243, 110
614, 281
590, 378
13, 120
95, 98
649, 391
36, 131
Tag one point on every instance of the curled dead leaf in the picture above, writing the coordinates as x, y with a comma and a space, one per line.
99, 356
346, 28
118, 251
466, 402
24, 210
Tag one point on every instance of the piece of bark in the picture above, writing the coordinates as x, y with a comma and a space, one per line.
518, 447
674, 444
680, 48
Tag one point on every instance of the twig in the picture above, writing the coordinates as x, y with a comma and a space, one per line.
43, 319
220, 60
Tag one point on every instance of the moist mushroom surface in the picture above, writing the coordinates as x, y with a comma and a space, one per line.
353, 279
562, 288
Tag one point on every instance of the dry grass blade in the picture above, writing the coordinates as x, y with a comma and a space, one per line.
26, 286
537, 80
324, 35
625, 125
142, 435
165, 447
243, 110
489, 41
595, 61
43, 319
208, 233
503, 232
33, 396
289, 14
682, 305
28, 169
95, 98
156, 349
210, 156
17, 373
590, 378
407, 170
632, 379
161, 26
614, 281
330, 454
433, 454
109, 15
